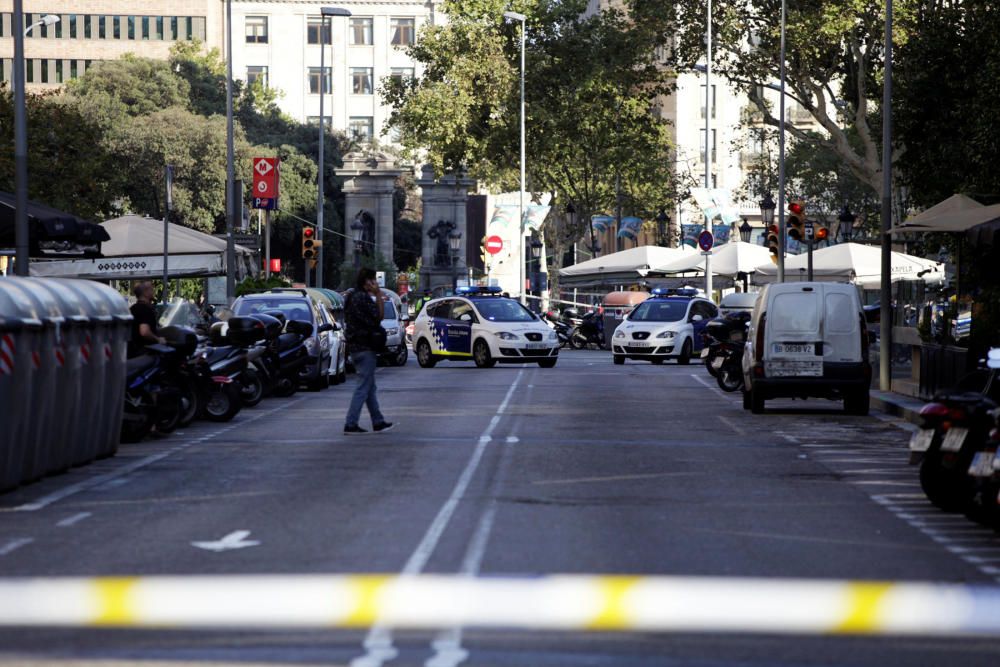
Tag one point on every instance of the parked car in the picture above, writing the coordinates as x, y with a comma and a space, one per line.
394, 322
807, 339
667, 325
297, 304
332, 305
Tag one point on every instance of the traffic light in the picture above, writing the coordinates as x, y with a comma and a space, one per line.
773, 243
822, 233
797, 220
310, 245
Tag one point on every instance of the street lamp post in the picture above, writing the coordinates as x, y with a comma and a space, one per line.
662, 223
536, 258
324, 31
885, 291
230, 162
745, 231
21, 233
781, 153
454, 245
515, 16
847, 220
767, 207
358, 234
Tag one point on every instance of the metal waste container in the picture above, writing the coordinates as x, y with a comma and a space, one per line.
107, 361
44, 417
69, 397
19, 324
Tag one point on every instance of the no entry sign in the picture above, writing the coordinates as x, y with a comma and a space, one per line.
494, 244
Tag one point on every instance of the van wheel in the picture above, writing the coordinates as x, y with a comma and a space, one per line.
685, 357
424, 356
857, 403
481, 354
756, 402
619, 359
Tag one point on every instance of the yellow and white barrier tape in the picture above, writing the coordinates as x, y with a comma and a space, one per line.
558, 602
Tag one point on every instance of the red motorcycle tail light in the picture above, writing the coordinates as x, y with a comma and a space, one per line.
934, 410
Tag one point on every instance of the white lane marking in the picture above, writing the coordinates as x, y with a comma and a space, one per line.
729, 422
72, 520
702, 381
378, 643
234, 540
613, 478
513, 440
15, 544
128, 469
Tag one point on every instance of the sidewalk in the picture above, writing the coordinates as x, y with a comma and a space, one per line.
898, 405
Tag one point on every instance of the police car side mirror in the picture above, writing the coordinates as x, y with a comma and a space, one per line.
465, 317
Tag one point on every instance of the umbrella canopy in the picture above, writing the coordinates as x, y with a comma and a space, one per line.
856, 263
728, 259
957, 213
623, 267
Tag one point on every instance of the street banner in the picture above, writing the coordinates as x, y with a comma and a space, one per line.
629, 228
601, 223
503, 220
690, 233
716, 203
534, 216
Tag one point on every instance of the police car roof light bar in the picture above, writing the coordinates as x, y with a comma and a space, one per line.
674, 291
477, 289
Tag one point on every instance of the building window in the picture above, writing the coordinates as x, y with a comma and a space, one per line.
116, 27
59, 71
71, 21
256, 73
362, 128
158, 28
315, 74
361, 80
361, 31
314, 120
145, 27
701, 180
703, 101
131, 27
316, 25
401, 75
256, 29
401, 31
701, 145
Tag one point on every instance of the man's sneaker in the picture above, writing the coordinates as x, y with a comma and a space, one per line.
384, 426
353, 430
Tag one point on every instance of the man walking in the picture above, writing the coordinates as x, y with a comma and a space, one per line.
363, 314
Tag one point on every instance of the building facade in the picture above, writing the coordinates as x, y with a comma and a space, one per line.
90, 31
279, 41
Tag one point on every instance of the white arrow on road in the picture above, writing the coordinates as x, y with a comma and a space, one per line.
234, 540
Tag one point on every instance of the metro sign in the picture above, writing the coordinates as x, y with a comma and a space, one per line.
265, 178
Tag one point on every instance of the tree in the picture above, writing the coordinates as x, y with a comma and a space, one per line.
142, 85
593, 86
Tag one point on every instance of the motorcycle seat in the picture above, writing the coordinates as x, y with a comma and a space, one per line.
218, 353
137, 365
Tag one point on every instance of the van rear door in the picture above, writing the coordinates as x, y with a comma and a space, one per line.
841, 326
794, 344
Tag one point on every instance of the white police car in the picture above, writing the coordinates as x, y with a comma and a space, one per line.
478, 324
667, 325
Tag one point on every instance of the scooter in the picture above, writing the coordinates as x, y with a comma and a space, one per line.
590, 331
150, 400
285, 353
563, 329
723, 351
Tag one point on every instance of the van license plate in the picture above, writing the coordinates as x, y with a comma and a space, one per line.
794, 369
795, 349
954, 438
982, 464
921, 440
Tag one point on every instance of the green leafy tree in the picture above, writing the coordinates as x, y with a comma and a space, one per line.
142, 85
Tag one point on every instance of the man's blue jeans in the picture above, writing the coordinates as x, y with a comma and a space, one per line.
365, 362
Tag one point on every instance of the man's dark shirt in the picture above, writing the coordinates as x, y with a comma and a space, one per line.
361, 319
142, 313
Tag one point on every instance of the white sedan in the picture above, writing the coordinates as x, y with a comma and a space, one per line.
479, 325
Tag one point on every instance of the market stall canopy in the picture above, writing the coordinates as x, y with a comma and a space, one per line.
51, 232
728, 259
855, 263
623, 267
135, 250
958, 213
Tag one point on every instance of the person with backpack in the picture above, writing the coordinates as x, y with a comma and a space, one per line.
363, 314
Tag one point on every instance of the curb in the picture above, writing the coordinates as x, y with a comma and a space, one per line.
898, 405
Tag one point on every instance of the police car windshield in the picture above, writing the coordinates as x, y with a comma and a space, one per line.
502, 310
659, 310
294, 309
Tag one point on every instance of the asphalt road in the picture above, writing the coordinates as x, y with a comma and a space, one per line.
584, 468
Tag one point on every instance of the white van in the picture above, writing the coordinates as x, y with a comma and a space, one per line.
807, 339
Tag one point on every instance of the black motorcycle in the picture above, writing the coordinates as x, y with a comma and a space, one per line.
589, 332
285, 353
151, 400
723, 351
563, 329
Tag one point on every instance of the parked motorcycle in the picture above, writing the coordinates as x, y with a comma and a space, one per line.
589, 332
723, 351
285, 353
957, 425
563, 328
151, 401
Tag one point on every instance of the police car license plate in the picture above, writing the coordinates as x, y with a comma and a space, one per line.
794, 369
640, 343
795, 349
982, 464
535, 346
921, 440
954, 438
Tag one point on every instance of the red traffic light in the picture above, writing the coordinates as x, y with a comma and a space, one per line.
822, 233
308, 232
773, 229
796, 208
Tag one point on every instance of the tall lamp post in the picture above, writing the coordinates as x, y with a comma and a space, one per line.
324, 32
662, 223
514, 16
767, 210
21, 242
536, 261
358, 234
454, 246
885, 289
847, 220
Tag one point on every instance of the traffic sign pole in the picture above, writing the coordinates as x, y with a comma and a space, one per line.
267, 244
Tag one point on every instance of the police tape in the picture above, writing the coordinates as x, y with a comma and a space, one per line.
557, 602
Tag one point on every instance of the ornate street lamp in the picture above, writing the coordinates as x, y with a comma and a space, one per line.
662, 220
454, 245
358, 234
745, 231
847, 220
767, 207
